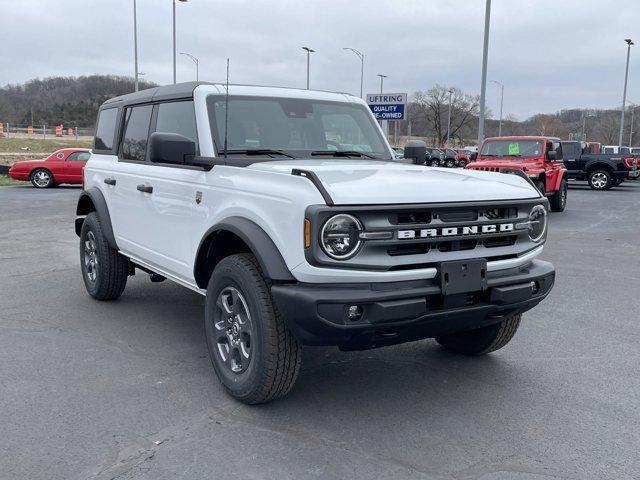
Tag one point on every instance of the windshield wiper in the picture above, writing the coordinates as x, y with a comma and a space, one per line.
256, 151
342, 153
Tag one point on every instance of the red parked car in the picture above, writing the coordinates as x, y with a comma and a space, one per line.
62, 166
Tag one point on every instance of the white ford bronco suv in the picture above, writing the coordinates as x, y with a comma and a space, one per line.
287, 210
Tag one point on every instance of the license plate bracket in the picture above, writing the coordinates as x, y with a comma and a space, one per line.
462, 276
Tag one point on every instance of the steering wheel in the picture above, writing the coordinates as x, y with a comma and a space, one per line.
334, 144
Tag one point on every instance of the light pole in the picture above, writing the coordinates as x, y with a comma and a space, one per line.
584, 124
449, 117
633, 111
135, 46
624, 92
361, 57
382, 77
309, 52
194, 60
501, 102
483, 83
383, 123
174, 38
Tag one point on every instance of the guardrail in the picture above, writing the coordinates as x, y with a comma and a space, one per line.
8, 130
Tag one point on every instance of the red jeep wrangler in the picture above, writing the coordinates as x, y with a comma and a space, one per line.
540, 158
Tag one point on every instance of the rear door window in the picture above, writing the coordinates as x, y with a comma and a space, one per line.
106, 129
136, 133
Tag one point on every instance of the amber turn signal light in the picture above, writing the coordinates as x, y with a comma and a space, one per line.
307, 233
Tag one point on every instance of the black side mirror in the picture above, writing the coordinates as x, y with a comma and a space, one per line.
473, 156
171, 148
551, 155
416, 150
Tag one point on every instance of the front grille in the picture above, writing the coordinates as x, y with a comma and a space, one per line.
498, 213
425, 235
486, 169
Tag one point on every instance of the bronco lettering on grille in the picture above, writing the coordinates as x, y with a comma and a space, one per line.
455, 231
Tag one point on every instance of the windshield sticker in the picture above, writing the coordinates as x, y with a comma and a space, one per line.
514, 149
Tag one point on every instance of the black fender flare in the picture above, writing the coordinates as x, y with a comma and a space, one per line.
598, 165
92, 200
269, 257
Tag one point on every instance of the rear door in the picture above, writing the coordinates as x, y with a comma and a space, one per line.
130, 207
571, 154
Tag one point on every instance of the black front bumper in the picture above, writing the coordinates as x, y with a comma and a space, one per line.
399, 312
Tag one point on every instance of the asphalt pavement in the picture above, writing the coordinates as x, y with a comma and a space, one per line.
125, 389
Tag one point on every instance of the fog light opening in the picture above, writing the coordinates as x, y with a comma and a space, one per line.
535, 287
354, 313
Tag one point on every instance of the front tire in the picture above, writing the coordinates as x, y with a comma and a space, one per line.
104, 270
481, 341
435, 163
558, 200
600, 180
41, 178
254, 355
449, 163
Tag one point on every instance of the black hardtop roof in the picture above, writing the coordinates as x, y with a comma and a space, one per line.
173, 92
168, 92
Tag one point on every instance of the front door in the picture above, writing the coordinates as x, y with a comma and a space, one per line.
74, 164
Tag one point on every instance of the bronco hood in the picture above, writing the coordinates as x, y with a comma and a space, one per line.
362, 182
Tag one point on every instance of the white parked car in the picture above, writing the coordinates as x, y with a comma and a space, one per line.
284, 207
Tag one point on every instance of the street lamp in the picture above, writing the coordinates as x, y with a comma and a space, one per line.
135, 46
195, 60
501, 101
584, 125
382, 77
309, 52
174, 38
361, 57
633, 111
483, 82
624, 92
449, 117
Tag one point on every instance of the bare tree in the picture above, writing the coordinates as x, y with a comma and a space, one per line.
431, 109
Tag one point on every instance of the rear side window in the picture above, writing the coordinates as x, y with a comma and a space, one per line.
177, 117
106, 129
79, 156
135, 133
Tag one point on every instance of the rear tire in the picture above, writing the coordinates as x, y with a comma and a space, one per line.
482, 340
255, 356
435, 163
449, 163
558, 200
104, 270
41, 178
600, 180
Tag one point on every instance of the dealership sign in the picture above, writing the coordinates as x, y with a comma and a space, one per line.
388, 106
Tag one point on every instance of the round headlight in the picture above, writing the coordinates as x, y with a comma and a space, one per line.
537, 222
340, 236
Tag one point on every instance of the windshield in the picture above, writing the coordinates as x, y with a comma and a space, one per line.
516, 148
295, 126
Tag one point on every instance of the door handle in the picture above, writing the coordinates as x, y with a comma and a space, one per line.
110, 181
145, 188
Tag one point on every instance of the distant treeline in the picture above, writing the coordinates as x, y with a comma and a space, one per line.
67, 100
74, 101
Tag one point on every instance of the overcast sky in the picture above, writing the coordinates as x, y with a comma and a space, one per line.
549, 54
